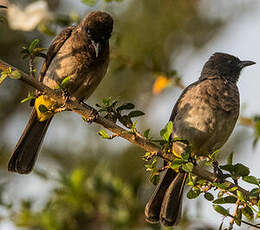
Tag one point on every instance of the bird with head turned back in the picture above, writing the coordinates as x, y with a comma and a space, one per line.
80, 54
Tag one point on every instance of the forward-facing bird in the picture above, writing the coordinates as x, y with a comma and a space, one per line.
80, 54
205, 115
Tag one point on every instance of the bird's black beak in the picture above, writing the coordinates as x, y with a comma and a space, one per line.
243, 64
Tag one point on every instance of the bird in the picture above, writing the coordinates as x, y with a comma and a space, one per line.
80, 54
205, 115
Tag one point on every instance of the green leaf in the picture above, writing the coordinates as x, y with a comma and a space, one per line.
238, 217
166, 132
77, 178
134, 126
240, 196
208, 196
221, 194
185, 155
148, 167
221, 210
241, 170
154, 178
230, 159
224, 185
43, 108
103, 134
254, 192
229, 168
251, 180
147, 155
154, 163
213, 156
3, 77
65, 80
176, 163
146, 133
226, 200
33, 45
106, 101
191, 181
188, 167
125, 106
248, 213
126, 121
202, 182
136, 113
192, 194
28, 98
233, 189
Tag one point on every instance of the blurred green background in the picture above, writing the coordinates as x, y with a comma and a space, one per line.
82, 181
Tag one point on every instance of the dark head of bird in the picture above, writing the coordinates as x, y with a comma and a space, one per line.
98, 26
225, 66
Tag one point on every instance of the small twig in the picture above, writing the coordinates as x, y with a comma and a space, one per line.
245, 222
31, 67
163, 168
113, 136
234, 215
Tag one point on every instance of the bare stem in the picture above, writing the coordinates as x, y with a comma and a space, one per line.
31, 67
232, 221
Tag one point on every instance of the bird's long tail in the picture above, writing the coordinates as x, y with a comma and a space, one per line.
166, 201
26, 151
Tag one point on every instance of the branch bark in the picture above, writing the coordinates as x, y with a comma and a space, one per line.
90, 114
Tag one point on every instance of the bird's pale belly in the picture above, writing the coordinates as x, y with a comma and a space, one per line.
205, 128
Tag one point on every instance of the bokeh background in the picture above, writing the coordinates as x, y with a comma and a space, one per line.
82, 181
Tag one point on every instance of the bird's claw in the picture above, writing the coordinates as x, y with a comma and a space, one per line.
92, 115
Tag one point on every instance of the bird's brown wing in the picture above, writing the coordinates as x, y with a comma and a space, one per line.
25, 153
54, 48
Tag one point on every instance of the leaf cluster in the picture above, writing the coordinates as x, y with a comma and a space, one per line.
33, 50
79, 199
115, 112
13, 74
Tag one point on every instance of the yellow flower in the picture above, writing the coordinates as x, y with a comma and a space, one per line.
44, 107
160, 84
